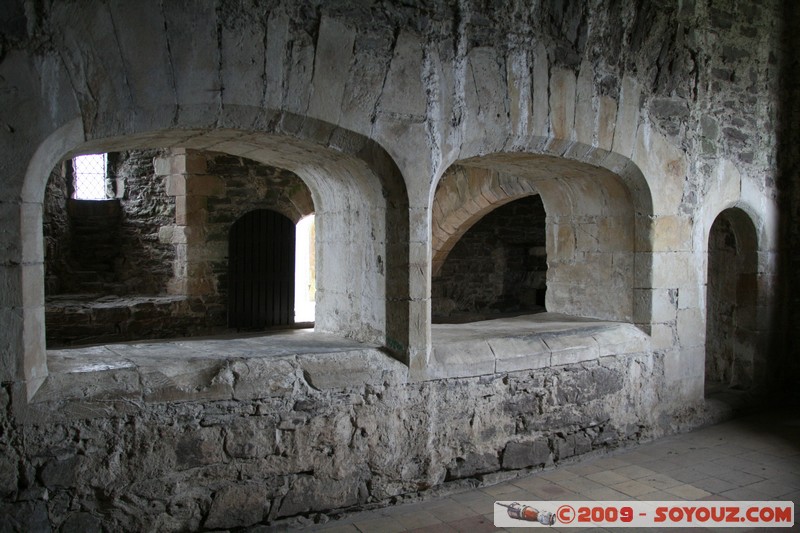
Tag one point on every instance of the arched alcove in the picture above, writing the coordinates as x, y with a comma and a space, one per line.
592, 224
597, 244
154, 261
356, 199
732, 358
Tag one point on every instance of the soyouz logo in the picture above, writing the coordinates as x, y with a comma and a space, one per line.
525, 512
644, 514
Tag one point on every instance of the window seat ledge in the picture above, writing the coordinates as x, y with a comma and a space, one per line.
527, 343
241, 368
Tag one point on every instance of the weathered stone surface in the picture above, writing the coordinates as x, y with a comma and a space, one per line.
181, 380
245, 439
472, 464
25, 516
335, 40
581, 387
525, 454
404, 95
570, 349
356, 367
262, 378
310, 494
61, 473
234, 451
9, 472
199, 447
514, 354
82, 522
562, 103
573, 444
238, 506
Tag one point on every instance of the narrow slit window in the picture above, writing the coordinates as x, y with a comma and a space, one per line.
90, 176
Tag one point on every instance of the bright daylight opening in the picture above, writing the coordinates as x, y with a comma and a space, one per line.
305, 284
90, 176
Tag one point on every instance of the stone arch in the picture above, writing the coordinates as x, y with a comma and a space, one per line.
362, 221
734, 355
463, 199
289, 198
497, 268
598, 223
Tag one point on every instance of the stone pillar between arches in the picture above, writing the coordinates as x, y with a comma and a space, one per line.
187, 180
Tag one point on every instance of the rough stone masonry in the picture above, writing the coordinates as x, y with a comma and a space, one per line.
647, 129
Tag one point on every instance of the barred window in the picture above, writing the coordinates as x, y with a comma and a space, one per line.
90, 176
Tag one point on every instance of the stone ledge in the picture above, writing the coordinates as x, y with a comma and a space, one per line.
526, 343
219, 368
280, 364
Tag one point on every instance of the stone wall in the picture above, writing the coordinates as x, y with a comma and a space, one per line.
126, 299
72, 321
249, 185
281, 443
56, 231
95, 234
144, 264
626, 93
119, 255
638, 123
106, 267
498, 266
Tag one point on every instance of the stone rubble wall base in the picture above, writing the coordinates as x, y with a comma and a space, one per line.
125, 464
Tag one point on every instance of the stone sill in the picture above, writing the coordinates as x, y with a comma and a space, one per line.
219, 368
277, 364
527, 342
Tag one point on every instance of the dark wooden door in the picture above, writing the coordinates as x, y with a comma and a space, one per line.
261, 271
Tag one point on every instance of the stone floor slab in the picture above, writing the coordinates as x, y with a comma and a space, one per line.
659, 481
608, 477
714, 485
688, 492
633, 488
580, 484
634, 471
